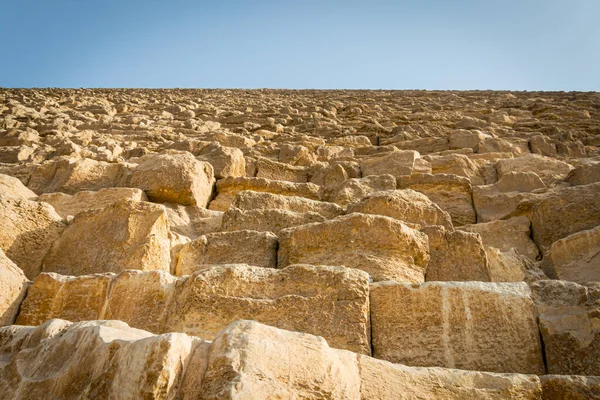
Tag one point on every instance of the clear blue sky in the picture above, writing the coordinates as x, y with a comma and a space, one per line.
426, 44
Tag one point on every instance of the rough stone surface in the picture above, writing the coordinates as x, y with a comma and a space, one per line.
10, 186
193, 221
382, 246
250, 200
405, 205
235, 247
27, 231
397, 163
124, 235
13, 287
570, 387
266, 220
173, 178
355, 189
466, 325
570, 326
328, 301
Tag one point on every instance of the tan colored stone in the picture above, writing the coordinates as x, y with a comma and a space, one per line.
192, 221
382, 246
575, 258
526, 181
228, 188
173, 178
226, 161
548, 169
124, 235
405, 205
466, 325
507, 266
274, 170
10, 186
27, 231
455, 256
584, 174
506, 234
450, 192
563, 212
456, 164
396, 163
109, 360
355, 189
66, 204
235, 247
251, 200
570, 387
266, 220
13, 287
327, 301
570, 326
464, 139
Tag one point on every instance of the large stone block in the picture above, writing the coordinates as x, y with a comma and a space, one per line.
266, 220
27, 231
235, 247
11, 186
251, 200
328, 301
405, 205
397, 163
228, 188
570, 387
569, 317
382, 246
466, 325
278, 171
173, 178
355, 189
125, 235
13, 286
548, 169
99, 360
226, 161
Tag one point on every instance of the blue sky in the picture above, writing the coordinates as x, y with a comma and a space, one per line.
427, 44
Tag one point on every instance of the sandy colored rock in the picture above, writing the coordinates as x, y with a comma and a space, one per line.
507, 266
355, 189
274, 170
456, 164
450, 192
513, 181
584, 174
109, 360
467, 325
492, 205
405, 205
569, 325
575, 258
327, 301
13, 287
548, 169
512, 233
455, 256
382, 246
563, 212
10, 186
72, 175
226, 161
396, 163
192, 221
124, 235
251, 200
173, 178
464, 139
66, 204
235, 247
266, 220
250, 360
27, 231
570, 387
228, 188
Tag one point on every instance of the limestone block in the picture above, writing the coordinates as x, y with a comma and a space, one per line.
226, 161
235, 247
66, 204
450, 192
455, 256
456, 164
228, 188
13, 287
570, 326
466, 325
355, 189
266, 220
10, 186
405, 205
27, 231
192, 221
124, 235
274, 170
251, 200
99, 360
173, 178
396, 163
512, 233
571, 387
549, 170
382, 246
